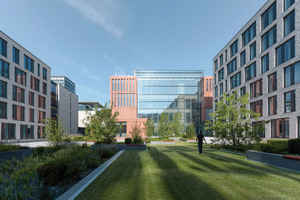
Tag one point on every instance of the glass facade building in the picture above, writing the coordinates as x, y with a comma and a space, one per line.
171, 92
65, 82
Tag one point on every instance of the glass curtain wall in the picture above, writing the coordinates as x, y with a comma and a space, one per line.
170, 92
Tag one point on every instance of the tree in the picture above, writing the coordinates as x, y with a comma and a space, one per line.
53, 130
102, 124
164, 126
231, 121
136, 133
149, 128
190, 131
176, 125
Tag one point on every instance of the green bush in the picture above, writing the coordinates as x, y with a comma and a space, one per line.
137, 140
273, 146
9, 147
53, 172
294, 146
128, 140
159, 139
106, 153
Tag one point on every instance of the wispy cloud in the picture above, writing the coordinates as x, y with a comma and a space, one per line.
100, 96
100, 12
118, 70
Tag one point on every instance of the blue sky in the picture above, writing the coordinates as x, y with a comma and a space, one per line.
90, 40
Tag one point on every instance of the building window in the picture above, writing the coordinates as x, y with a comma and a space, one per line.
44, 73
31, 98
289, 102
8, 131
265, 63
45, 88
20, 77
288, 3
221, 74
221, 88
272, 82
252, 50
231, 67
243, 58
4, 69
26, 131
292, 75
250, 72
18, 113
3, 47
39, 69
257, 107
28, 63
35, 84
221, 60
216, 91
3, 110
41, 102
216, 65
268, 16
234, 48
210, 82
112, 84
285, 51
3, 89
280, 128
249, 34
235, 80
18, 94
272, 105
256, 89
269, 38
289, 23
41, 116
16, 55
243, 91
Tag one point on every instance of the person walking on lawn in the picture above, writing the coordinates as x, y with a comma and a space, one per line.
200, 138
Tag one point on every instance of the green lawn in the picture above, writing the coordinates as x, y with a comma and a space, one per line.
179, 172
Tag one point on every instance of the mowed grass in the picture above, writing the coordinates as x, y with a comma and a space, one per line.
179, 172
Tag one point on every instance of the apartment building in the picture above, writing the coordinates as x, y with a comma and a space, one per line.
24, 92
263, 59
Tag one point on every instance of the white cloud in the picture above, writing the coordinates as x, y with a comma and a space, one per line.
100, 12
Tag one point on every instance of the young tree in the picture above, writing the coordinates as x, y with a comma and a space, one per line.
149, 128
190, 131
53, 130
176, 125
136, 133
231, 121
164, 126
102, 124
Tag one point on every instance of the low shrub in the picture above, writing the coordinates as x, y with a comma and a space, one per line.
106, 153
9, 147
137, 140
128, 140
53, 172
159, 139
237, 148
294, 146
272, 147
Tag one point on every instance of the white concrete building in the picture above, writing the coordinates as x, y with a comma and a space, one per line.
86, 109
24, 92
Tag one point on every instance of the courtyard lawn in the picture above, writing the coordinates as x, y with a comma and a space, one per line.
179, 172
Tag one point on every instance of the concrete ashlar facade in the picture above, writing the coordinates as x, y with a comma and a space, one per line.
263, 59
123, 97
24, 92
67, 109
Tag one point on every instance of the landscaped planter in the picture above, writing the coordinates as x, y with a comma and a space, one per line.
162, 142
175, 138
18, 154
187, 140
288, 162
120, 146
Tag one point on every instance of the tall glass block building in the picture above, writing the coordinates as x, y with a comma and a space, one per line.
176, 91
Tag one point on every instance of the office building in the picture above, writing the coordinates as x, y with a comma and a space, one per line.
65, 82
85, 109
206, 96
263, 59
24, 92
67, 104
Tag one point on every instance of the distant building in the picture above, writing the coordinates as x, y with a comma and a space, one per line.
85, 109
67, 105
65, 82
263, 59
24, 92
206, 101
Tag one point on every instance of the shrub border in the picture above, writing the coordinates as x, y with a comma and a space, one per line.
74, 191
